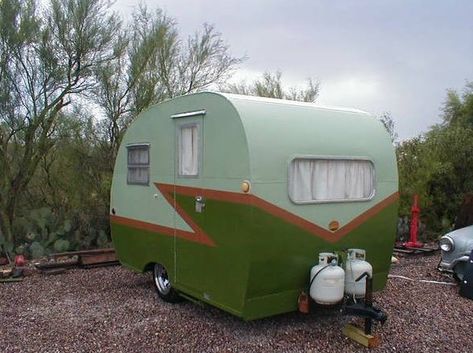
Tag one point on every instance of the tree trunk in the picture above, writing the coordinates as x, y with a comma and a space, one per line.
465, 214
6, 226
7, 212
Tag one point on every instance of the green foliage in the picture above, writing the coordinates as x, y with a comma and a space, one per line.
37, 250
61, 245
152, 64
439, 165
271, 86
8, 247
40, 232
57, 58
20, 250
47, 56
44, 230
102, 239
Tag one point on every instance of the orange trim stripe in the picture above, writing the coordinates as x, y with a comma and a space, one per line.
249, 199
199, 236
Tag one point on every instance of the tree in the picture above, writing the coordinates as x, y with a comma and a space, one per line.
154, 64
458, 110
46, 58
438, 165
73, 182
388, 123
271, 86
452, 177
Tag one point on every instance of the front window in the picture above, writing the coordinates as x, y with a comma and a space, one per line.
138, 165
313, 180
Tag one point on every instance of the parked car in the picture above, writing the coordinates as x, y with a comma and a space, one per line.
456, 247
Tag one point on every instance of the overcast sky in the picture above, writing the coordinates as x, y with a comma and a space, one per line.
395, 56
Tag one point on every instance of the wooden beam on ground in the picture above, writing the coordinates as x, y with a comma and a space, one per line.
83, 252
51, 265
5, 272
53, 271
11, 279
360, 336
98, 259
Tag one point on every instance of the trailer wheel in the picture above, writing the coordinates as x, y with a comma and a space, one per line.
163, 285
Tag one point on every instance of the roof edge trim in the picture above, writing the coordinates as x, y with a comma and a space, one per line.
230, 96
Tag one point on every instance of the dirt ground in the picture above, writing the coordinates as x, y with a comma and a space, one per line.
115, 310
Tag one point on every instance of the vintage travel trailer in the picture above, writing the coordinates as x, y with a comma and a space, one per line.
230, 199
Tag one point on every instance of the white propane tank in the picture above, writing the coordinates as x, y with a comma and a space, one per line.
355, 266
327, 286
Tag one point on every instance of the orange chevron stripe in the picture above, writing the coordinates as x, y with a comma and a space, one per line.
199, 236
248, 199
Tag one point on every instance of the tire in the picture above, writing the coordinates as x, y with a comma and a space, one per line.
163, 285
459, 271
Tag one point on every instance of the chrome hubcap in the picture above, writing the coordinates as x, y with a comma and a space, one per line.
161, 279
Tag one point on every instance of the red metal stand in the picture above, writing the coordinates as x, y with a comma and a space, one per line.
415, 211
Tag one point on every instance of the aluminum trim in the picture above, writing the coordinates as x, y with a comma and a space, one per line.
188, 114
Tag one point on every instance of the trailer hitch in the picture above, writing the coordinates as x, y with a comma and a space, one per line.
366, 309
368, 312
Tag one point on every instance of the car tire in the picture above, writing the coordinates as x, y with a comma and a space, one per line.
459, 271
163, 285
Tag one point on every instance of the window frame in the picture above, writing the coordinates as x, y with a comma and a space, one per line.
139, 165
328, 157
179, 127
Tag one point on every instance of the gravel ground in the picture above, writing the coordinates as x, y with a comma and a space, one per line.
115, 310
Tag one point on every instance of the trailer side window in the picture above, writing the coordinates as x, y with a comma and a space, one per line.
138, 165
314, 180
189, 150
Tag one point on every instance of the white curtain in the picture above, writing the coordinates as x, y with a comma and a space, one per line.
138, 175
138, 165
330, 180
189, 151
138, 155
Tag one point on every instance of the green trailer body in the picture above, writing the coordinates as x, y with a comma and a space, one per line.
248, 253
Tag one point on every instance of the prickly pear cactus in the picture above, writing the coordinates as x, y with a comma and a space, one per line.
61, 245
37, 250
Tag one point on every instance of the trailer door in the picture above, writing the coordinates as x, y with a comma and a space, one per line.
189, 164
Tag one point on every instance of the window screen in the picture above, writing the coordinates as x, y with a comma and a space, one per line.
138, 165
189, 150
316, 180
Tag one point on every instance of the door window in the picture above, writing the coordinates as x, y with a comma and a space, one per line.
189, 153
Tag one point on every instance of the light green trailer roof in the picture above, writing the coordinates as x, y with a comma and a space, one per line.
275, 128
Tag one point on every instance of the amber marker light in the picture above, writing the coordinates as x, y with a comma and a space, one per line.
333, 226
245, 186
